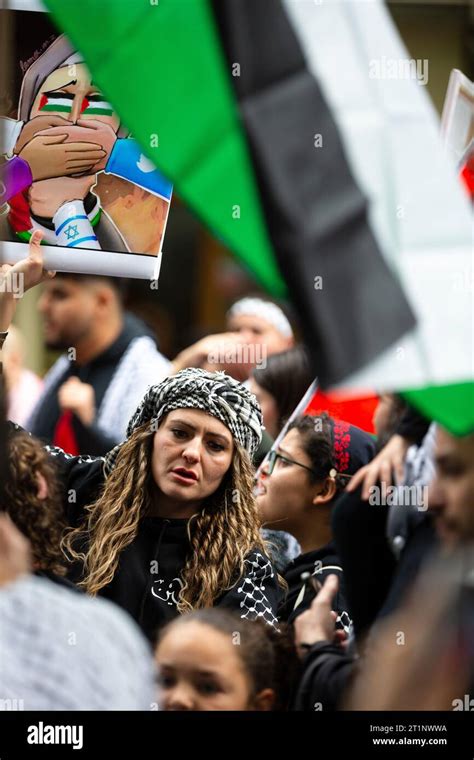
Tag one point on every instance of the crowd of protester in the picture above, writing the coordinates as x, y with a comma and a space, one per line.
222, 552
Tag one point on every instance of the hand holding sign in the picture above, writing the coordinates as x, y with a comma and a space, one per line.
29, 270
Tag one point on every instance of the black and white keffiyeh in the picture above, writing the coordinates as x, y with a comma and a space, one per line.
215, 393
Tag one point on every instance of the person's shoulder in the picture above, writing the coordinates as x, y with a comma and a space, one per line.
56, 371
82, 478
256, 594
258, 562
315, 562
327, 561
12, 428
146, 355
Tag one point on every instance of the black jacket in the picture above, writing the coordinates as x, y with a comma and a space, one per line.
327, 669
146, 583
327, 672
319, 563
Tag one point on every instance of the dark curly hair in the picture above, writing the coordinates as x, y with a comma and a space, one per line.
40, 520
317, 438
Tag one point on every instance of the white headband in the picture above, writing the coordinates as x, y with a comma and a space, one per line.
266, 310
74, 58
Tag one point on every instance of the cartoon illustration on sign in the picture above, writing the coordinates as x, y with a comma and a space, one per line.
71, 169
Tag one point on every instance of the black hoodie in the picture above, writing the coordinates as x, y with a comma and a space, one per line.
146, 583
319, 563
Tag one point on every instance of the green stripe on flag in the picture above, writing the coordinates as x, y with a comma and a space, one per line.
196, 141
98, 111
57, 108
450, 405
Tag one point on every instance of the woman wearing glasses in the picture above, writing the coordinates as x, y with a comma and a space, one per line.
299, 486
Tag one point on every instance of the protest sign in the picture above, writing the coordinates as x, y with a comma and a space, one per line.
69, 166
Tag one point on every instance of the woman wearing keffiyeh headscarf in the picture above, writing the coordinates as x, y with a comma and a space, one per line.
171, 523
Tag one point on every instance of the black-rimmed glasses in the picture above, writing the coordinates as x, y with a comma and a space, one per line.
274, 456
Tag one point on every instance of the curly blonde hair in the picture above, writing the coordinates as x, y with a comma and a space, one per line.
221, 534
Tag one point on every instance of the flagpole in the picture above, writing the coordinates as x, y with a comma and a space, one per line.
299, 409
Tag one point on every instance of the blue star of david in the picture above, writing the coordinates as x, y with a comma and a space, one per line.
71, 232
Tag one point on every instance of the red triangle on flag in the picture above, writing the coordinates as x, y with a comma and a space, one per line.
357, 410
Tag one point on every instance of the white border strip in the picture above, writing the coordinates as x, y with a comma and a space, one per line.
86, 261
22, 5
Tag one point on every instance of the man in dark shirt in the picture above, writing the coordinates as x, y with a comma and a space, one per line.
110, 359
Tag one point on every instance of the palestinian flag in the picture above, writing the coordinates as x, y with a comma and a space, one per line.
57, 103
61, 102
297, 133
357, 410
